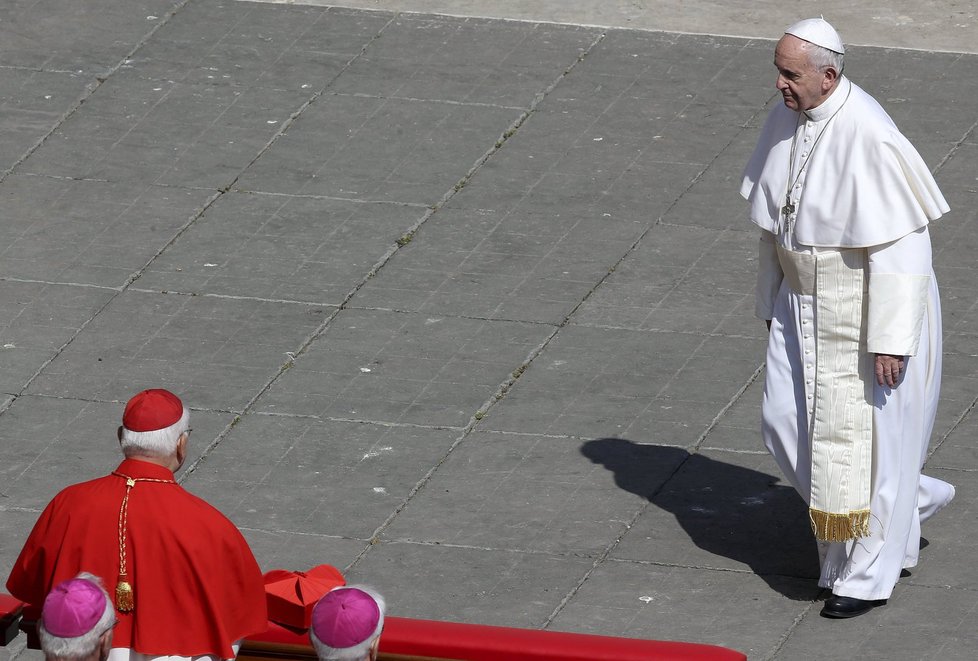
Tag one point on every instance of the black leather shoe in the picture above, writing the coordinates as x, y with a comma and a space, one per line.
839, 607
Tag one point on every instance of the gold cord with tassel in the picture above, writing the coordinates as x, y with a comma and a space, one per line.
124, 598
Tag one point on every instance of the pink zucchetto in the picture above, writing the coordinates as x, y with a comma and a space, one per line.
73, 608
152, 410
819, 32
345, 617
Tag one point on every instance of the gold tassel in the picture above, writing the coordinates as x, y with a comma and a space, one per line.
124, 601
123, 595
833, 527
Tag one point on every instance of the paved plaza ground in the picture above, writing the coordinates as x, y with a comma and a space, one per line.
461, 305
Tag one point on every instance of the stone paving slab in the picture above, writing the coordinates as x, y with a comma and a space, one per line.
281, 248
67, 441
521, 493
462, 62
486, 264
731, 506
678, 279
464, 584
89, 233
176, 134
462, 306
32, 102
681, 603
940, 565
934, 26
957, 450
90, 38
279, 549
422, 147
948, 634
291, 484
402, 368
37, 320
218, 352
647, 386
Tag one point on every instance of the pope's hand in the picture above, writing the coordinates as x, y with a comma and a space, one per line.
888, 369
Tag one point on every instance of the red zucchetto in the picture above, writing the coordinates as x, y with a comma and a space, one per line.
152, 410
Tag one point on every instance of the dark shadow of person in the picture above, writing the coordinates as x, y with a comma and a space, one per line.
727, 510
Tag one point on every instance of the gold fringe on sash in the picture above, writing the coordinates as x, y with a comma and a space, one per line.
833, 527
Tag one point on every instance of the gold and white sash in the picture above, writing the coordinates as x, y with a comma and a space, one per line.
841, 425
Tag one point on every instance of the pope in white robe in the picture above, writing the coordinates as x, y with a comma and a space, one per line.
845, 281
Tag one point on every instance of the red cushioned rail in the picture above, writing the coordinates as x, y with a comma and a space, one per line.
9, 606
405, 638
10, 611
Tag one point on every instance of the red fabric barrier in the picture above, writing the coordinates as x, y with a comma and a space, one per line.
406, 638
428, 639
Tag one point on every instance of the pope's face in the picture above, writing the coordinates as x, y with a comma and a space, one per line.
801, 84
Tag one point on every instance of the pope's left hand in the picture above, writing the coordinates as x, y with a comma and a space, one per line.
888, 369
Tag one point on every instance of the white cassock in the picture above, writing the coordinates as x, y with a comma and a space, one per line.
841, 178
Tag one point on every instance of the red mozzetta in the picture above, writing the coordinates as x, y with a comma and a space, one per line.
195, 584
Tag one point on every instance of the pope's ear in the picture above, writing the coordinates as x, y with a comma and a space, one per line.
829, 78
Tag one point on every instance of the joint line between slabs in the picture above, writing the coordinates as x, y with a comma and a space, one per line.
955, 147
118, 292
773, 652
462, 182
613, 545
503, 388
92, 88
287, 124
957, 423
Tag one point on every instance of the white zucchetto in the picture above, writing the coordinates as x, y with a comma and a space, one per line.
819, 32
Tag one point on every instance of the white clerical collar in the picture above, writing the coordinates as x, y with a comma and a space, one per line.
832, 104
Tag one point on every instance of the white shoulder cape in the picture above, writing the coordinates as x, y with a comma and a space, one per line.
866, 184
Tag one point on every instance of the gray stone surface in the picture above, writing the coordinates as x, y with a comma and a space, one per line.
465, 584
932, 26
291, 484
756, 524
462, 306
523, 493
946, 636
726, 608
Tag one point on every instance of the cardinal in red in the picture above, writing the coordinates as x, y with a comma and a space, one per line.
183, 581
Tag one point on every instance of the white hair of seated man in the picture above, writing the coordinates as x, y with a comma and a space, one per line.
86, 646
159, 443
365, 651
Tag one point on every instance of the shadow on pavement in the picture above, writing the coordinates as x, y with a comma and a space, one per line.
726, 509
